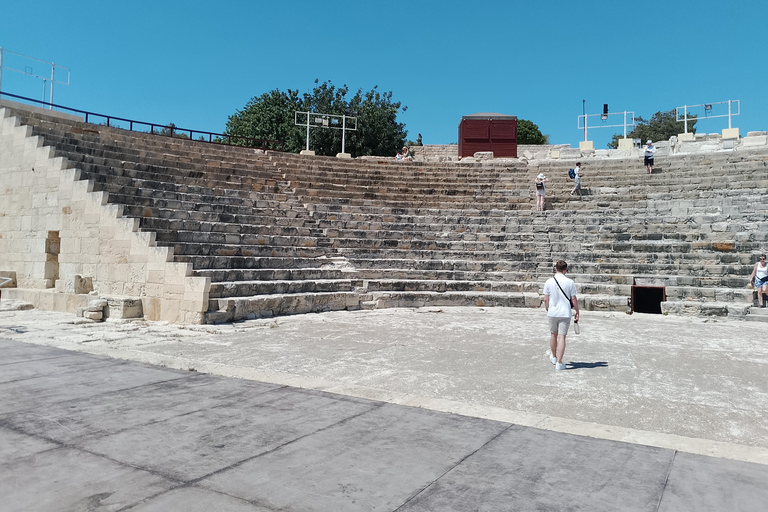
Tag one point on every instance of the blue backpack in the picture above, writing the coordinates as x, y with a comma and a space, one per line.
571, 173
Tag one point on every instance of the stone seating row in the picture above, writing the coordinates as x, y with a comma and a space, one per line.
225, 252
141, 145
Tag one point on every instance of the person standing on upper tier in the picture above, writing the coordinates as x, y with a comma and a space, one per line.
540, 192
577, 174
650, 150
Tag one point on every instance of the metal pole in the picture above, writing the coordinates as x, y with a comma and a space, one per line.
53, 75
1, 68
307, 131
584, 111
625, 124
729, 114
685, 117
343, 131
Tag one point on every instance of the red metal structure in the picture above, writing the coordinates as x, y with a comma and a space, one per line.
488, 131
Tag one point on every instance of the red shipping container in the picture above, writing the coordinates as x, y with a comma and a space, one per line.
487, 131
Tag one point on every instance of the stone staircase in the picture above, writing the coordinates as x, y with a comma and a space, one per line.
276, 234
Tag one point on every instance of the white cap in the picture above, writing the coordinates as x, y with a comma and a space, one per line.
541, 176
649, 141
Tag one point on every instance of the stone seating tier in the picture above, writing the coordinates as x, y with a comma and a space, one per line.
279, 233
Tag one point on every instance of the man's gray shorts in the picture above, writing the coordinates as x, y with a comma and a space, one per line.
559, 324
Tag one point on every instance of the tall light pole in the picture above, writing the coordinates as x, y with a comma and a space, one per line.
584, 113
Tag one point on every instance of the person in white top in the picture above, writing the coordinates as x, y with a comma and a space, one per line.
759, 278
540, 192
559, 296
650, 150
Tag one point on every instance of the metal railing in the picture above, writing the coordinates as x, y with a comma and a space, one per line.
165, 130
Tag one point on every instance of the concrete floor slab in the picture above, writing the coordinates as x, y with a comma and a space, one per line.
192, 499
316, 416
532, 469
197, 444
52, 387
14, 445
374, 461
67, 479
115, 411
710, 483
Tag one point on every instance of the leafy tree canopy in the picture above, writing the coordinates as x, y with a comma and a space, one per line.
661, 126
529, 133
271, 116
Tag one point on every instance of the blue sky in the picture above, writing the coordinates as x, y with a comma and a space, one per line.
195, 63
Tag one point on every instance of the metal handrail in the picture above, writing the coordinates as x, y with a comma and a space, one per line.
250, 141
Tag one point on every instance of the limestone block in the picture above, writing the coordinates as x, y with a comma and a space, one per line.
554, 153
713, 309
77, 284
685, 137
682, 308
586, 145
343, 155
96, 305
483, 155
567, 153
625, 144
307, 152
730, 133
123, 307
93, 315
755, 140
738, 310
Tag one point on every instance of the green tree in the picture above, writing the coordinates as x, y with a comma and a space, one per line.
529, 133
661, 126
271, 116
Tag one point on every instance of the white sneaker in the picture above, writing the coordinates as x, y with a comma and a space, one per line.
560, 366
553, 359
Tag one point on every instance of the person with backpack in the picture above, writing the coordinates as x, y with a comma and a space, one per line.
576, 175
559, 298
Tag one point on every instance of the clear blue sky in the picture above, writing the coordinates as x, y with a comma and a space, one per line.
195, 63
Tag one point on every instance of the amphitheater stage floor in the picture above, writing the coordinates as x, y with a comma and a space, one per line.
401, 409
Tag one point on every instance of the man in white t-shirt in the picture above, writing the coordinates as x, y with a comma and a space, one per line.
559, 295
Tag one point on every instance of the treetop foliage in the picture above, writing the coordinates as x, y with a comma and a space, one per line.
271, 116
529, 133
661, 126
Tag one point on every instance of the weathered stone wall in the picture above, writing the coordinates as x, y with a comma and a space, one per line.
53, 227
699, 143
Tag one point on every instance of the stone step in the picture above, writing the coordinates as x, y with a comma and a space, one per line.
244, 251
210, 262
268, 306
245, 241
170, 226
251, 288
289, 218
278, 274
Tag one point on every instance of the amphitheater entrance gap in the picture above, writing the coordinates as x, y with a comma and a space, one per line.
648, 298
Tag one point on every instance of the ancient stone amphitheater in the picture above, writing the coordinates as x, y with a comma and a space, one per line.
189, 232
